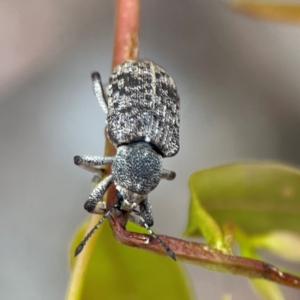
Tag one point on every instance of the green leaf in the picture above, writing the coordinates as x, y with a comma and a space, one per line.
281, 243
201, 222
226, 297
268, 290
115, 271
258, 197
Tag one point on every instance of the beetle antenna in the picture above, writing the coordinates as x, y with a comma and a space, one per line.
165, 246
138, 219
87, 237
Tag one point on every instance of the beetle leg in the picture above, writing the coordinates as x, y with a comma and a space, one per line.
99, 91
92, 163
167, 174
94, 204
146, 212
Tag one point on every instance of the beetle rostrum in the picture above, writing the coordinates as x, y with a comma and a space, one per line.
142, 107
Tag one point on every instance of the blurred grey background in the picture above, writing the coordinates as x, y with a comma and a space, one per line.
238, 79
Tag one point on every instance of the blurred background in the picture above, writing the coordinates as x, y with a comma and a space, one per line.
238, 79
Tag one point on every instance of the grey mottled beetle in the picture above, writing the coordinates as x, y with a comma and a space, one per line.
142, 107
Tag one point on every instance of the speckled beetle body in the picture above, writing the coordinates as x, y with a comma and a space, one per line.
142, 107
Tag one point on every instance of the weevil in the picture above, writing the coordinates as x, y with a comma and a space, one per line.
142, 118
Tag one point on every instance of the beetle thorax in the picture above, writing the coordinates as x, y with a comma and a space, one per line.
137, 168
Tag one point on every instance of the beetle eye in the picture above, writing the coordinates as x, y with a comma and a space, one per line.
119, 195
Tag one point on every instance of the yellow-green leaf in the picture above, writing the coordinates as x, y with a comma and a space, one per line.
281, 11
115, 271
201, 222
282, 243
258, 197
268, 290
226, 297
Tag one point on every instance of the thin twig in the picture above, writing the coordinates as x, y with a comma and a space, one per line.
204, 256
125, 47
127, 26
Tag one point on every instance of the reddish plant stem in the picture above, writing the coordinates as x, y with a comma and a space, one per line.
126, 31
125, 47
203, 255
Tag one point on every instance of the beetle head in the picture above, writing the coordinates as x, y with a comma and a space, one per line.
136, 171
